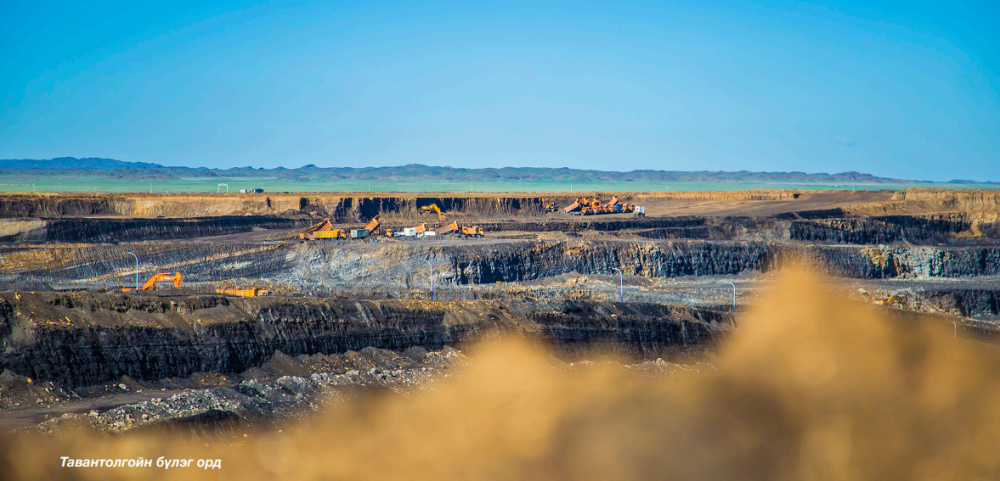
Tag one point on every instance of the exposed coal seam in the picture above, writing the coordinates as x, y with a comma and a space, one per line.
245, 333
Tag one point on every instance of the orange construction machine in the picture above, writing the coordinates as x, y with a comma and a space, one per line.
161, 277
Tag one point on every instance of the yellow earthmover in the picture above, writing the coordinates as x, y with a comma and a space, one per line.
893, 300
433, 208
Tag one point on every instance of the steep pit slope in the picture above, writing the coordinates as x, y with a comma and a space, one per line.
105, 229
329, 266
910, 217
352, 207
83, 339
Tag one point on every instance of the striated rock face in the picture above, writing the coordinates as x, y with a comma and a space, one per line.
478, 265
977, 303
934, 200
328, 265
134, 229
84, 339
893, 229
930, 229
343, 207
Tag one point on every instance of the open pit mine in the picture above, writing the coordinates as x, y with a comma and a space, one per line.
126, 311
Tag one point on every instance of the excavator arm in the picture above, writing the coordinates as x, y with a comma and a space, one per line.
162, 277
434, 208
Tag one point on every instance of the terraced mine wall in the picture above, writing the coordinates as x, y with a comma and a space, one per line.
917, 201
893, 229
343, 207
977, 303
132, 229
84, 339
677, 259
340, 207
327, 266
926, 230
117, 229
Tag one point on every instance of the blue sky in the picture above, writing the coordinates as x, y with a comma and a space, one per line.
902, 89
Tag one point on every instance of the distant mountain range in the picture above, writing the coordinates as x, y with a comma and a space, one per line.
110, 168
74, 163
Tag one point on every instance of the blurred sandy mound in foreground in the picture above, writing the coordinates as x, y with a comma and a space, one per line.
811, 388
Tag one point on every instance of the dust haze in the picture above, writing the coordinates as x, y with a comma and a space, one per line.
811, 387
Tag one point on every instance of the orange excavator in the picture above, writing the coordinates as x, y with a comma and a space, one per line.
161, 277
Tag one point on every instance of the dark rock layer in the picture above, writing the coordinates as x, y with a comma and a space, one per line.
84, 339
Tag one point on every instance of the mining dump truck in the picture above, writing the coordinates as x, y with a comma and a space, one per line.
575, 206
464, 231
372, 226
473, 231
588, 206
448, 229
323, 230
250, 292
